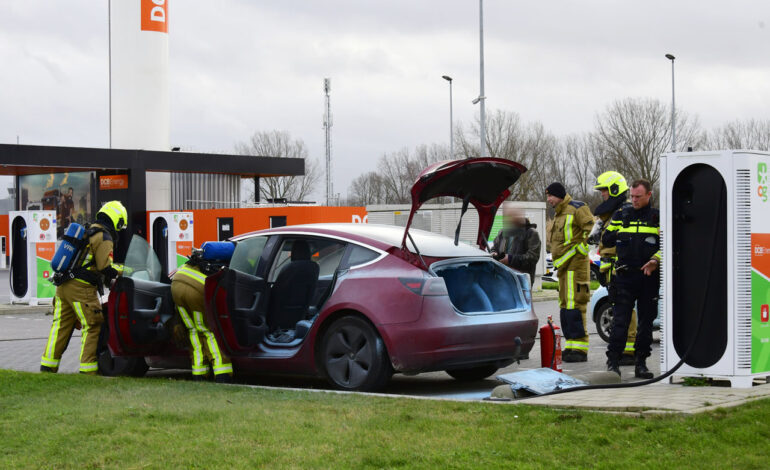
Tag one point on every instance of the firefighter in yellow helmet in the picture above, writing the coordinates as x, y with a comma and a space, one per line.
187, 289
566, 239
77, 298
614, 189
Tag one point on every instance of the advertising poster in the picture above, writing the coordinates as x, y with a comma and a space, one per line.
760, 267
69, 194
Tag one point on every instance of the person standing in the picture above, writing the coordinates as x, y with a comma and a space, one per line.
77, 299
614, 190
635, 232
187, 290
566, 239
518, 244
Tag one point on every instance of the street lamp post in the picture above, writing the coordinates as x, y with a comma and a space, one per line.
451, 119
673, 105
481, 99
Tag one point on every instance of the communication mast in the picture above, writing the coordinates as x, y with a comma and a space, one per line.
328, 131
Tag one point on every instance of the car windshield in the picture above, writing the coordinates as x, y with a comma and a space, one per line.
141, 261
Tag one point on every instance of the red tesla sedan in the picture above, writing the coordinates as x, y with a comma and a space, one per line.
353, 303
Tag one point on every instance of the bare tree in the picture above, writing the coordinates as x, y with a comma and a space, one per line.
580, 152
748, 134
366, 189
631, 135
531, 145
280, 144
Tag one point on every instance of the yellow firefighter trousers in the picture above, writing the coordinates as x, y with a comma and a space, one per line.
574, 294
75, 301
205, 350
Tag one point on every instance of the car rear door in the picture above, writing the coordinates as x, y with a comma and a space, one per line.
236, 298
140, 309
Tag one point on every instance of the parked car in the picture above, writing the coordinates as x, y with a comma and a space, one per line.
601, 311
353, 303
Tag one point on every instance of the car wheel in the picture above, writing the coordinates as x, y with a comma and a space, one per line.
354, 356
604, 321
472, 374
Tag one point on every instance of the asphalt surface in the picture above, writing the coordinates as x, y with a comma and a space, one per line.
23, 334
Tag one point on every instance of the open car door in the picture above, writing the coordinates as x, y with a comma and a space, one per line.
482, 182
140, 308
236, 299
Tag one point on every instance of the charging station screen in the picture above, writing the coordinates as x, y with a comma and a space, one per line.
69, 194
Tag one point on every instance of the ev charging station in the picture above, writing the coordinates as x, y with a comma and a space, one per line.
171, 236
715, 240
33, 243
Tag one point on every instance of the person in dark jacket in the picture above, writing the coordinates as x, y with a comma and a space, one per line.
518, 244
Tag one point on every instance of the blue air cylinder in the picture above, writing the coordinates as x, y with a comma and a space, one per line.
67, 252
217, 251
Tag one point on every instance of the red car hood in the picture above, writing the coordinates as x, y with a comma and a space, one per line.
483, 182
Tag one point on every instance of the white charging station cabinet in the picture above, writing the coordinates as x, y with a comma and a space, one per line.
715, 241
32, 246
171, 236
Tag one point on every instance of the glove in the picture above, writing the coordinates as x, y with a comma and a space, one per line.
596, 231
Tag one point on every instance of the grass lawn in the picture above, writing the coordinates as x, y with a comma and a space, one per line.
72, 421
555, 285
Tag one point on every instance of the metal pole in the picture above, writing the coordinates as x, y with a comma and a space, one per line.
328, 136
673, 110
451, 124
109, 65
482, 98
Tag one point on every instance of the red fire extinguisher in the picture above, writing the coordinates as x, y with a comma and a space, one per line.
550, 356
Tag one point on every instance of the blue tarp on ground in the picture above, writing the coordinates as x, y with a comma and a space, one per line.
539, 381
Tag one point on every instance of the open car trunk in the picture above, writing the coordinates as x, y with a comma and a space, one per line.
483, 286
481, 182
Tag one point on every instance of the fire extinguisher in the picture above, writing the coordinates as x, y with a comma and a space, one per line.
550, 346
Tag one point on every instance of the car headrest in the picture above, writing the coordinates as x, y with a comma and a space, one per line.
300, 251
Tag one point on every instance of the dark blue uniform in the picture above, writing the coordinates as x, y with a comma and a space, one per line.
636, 236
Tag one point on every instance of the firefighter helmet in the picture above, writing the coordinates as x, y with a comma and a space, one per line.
613, 182
116, 212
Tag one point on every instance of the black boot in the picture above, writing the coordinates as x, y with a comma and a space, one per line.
627, 360
223, 379
641, 371
47, 369
612, 366
199, 378
571, 355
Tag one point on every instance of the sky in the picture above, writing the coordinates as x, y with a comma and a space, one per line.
240, 66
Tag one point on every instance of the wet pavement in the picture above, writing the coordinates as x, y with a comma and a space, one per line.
24, 330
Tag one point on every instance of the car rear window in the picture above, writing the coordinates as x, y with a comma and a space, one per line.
360, 255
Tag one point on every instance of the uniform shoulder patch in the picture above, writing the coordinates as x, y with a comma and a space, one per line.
577, 204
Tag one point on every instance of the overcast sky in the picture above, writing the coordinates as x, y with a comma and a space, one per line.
241, 66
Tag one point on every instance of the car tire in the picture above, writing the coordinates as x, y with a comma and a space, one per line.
473, 374
604, 321
354, 356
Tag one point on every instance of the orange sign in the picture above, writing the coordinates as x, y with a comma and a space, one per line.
760, 252
155, 15
113, 182
184, 248
183, 224
45, 224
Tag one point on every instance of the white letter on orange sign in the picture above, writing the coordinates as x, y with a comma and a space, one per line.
158, 14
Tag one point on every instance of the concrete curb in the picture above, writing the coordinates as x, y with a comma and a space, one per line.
17, 309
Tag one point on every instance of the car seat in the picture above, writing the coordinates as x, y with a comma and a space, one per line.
293, 289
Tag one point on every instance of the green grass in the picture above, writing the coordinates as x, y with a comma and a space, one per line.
555, 285
72, 421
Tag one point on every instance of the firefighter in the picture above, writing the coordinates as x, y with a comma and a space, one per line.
614, 190
566, 239
635, 232
77, 300
187, 289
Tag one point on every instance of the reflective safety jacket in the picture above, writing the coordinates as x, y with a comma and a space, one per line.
608, 252
97, 267
192, 276
635, 234
567, 234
